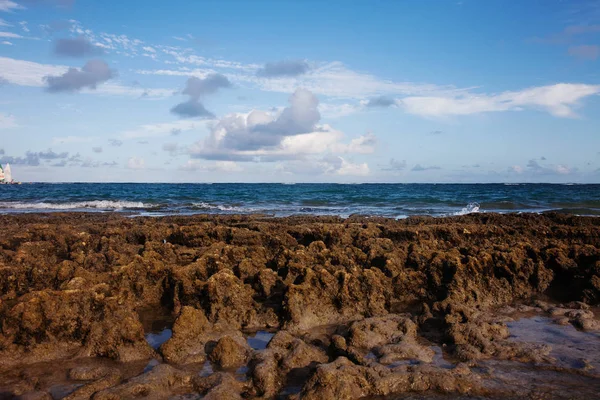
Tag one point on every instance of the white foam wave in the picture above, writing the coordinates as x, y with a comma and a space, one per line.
470, 208
206, 206
93, 204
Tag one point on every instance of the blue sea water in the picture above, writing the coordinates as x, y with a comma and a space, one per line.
389, 200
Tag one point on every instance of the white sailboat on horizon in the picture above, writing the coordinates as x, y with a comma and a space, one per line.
6, 175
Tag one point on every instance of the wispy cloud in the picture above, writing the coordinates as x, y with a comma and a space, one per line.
421, 168
10, 35
283, 69
28, 73
77, 47
9, 6
558, 100
160, 129
585, 52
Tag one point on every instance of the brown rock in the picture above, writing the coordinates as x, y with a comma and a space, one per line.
229, 352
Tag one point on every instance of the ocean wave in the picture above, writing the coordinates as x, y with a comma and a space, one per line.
92, 204
469, 209
207, 206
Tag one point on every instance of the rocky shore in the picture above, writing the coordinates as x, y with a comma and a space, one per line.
105, 306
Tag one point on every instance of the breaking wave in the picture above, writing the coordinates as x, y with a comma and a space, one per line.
470, 208
218, 207
92, 204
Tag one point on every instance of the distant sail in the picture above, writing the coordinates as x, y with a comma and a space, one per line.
7, 174
1, 174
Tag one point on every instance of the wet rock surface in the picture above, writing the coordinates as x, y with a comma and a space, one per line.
481, 306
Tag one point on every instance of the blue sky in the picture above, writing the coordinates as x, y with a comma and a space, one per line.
282, 91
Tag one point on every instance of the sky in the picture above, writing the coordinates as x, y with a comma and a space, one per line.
312, 91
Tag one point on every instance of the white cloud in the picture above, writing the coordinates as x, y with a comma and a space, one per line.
7, 43
348, 168
332, 110
4, 23
7, 121
291, 133
160, 129
558, 100
10, 35
136, 163
24, 26
9, 5
149, 49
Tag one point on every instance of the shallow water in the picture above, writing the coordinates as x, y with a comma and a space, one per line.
570, 346
259, 340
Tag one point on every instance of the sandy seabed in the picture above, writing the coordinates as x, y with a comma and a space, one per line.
106, 306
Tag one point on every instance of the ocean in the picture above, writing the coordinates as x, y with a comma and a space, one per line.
388, 200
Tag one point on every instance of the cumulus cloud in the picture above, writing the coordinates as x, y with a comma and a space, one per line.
293, 133
558, 100
283, 69
77, 47
340, 166
196, 88
395, 165
115, 142
93, 73
585, 52
97, 149
136, 163
380, 101
420, 168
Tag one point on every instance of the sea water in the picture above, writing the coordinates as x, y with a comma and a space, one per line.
388, 200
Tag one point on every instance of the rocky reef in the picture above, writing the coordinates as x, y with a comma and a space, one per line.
107, 306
